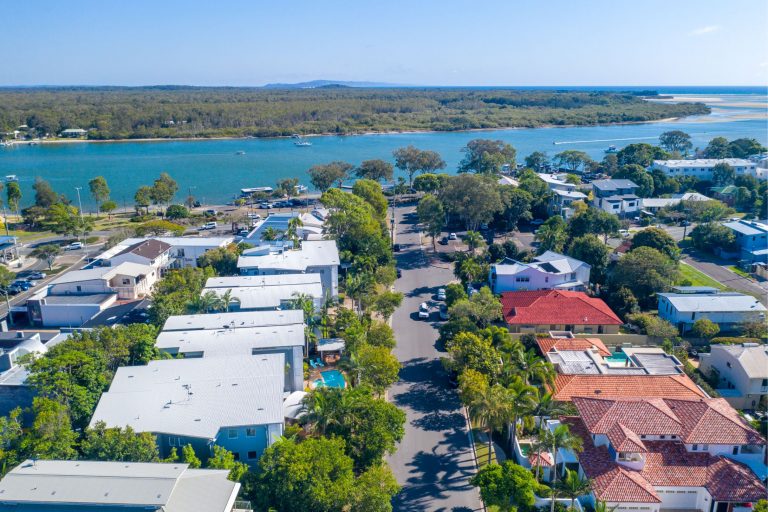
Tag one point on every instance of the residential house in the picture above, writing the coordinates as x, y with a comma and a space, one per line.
9, 250
752, 239
563, 194
318, 257
151, 252
73, 133
654, 204
558, 310
184, 250
232, 402
239, 320
726, 194
616, 196
728, 310
549, 271
567, 387
14, 390
741, 371
311, 225
702, 168
66, 485
223, 341
589, 356
665, 454
254, 293
76, 297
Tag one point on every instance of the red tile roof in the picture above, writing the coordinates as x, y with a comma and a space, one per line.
556, 307
625, 386
667, 464
694, 421
544, 459
624, 440
560, 344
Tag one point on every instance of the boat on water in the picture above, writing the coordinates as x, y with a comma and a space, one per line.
240, 152
11, 177
302, 143
612, 149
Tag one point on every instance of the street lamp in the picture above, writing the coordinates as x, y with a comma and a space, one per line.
82, 224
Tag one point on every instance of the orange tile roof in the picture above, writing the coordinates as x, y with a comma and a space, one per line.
624, 440
625, 386
560, 344
556, 307
544, 459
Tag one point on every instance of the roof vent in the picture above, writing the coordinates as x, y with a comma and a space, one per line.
598, 391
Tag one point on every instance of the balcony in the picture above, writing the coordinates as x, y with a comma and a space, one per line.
242, 506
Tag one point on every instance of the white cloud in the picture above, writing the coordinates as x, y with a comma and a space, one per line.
701, 31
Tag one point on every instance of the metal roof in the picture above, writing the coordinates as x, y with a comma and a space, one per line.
237, 320
713, 302
703, 162
748, 227
195, 397
172, 487
226, 342
256, 297
312, 254
103, 273
613, 184
262, 281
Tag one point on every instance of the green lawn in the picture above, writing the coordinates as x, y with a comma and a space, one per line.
736, 270
697, 278
481, 448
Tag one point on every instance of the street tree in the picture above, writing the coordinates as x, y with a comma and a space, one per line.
432, 215
484, 156
658, 239
47, 253
517, 205
645, 271
163, 189
537, 161
639, 176
159, 227
45, 196
108, 207
474, 240
411, 160
717, 148
287, 187
143, 197
376, 367
473, 198
573, 160
676, 141
492, 410
176, 211
325, 176
13, 194
376, 170
99, 189
429, 183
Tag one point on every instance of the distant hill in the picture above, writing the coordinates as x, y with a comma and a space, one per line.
315, 84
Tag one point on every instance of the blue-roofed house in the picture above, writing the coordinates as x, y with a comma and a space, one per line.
686, 304
752, 239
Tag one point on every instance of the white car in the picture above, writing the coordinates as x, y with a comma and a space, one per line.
453, 236
423, 311
624, 233
208, 225
441, 294
74, 246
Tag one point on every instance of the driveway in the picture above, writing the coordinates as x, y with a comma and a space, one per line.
434, 461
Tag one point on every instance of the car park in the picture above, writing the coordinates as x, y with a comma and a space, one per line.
441, 294
423, 311
74, 246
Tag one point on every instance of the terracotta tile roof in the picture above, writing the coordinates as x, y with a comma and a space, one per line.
625, 386
667, 464
624, 440
560, 344
556, 307
544, 459
694, 421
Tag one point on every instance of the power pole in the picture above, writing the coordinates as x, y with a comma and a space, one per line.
82, 224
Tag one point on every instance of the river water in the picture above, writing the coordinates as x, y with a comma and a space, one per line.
215, 172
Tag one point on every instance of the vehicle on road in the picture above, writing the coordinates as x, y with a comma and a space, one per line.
208, 226
423, 311
444, 312
210, 213
266, 206
441, 294
36, 276
537, 222
443, 241
254, 216
396, 247
399, 273
453, 236
685, 223
74, 246
624, 233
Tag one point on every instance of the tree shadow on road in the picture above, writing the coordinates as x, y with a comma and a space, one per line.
429, 391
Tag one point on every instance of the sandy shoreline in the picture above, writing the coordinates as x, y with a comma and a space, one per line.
398, 132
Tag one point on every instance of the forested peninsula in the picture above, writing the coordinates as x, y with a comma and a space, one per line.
109, 113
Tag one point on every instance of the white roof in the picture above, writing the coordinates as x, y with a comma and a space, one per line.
262, 281
293, 407
508, 180
226, 342
748, 227
549, 262
174, 241
195, 397
103, 273
555, 179
570, 194
172, 487
256, 297
713, 302
238, 320
752, 357
703, 162
312, 254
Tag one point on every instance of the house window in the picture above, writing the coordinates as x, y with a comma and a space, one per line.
765, 382
705, 447
695, 448
250, 432
524, 279
174, 441
181, 253
252, 455
126, 281
673, 437
236, 455
79, 288
232, 433
735, 450
662, 437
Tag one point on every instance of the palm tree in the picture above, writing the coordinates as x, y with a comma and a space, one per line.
473, 239
225, 300
531, 367
541, 443
306, 303
491, 410
548, 407
522, 400
205, 303
573, 486
357, 286
468, 270
293, 231
270, 234
322, 407
561, 438
601, 506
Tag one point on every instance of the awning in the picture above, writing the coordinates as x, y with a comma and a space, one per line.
330, 345
293, 406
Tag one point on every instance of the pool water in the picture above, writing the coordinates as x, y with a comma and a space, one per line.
331, 379
617, 357
525, 449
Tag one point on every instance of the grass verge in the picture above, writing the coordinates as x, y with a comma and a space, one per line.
736, 270
697, 278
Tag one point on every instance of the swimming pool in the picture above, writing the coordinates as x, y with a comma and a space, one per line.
331, 379
617, 357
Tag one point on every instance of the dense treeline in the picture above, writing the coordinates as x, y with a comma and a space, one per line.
166, 112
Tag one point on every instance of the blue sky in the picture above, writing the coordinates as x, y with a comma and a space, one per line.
418, 42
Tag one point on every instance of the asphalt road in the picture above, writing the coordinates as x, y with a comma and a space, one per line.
434, 461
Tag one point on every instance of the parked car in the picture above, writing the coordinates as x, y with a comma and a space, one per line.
266, 206
23, 284
624, 233
443, 241
453, 236
210, 213
537, 222
243, 232
207, 226
396, 247
254, 216
443, 312
441, 294
423, 311
36, 276
399, 273
74, 246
